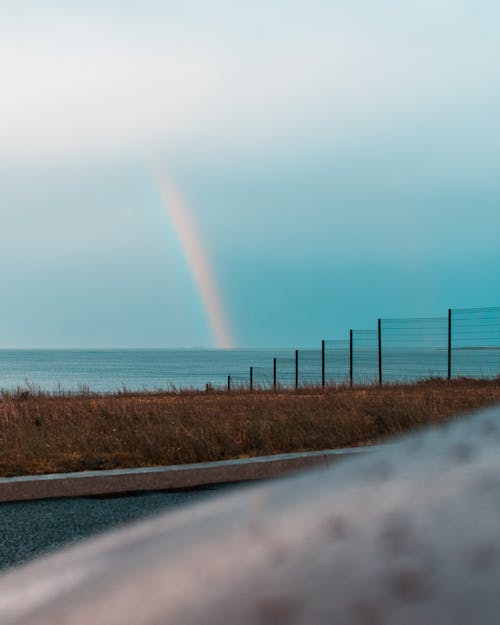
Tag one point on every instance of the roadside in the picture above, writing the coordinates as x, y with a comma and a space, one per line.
42, 433
39, 514
92, 483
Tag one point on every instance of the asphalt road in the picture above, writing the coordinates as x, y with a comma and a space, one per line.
33, 528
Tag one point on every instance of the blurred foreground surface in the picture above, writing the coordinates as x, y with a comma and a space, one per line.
408, 534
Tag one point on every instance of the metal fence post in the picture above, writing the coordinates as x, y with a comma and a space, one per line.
449, 343
350, 359
296, 368
323, 363
380, 351
228, 382
274, 373
251, 378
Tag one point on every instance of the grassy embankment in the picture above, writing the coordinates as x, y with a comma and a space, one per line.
40, 433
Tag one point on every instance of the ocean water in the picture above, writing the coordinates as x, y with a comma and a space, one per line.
114, 370
137, 369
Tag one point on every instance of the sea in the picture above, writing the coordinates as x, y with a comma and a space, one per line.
133, 369
108, 371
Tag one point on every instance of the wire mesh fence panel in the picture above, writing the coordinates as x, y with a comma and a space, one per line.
309, 367
337, 361
414, 349
475, 341
285, 370
263, 377
239, 382
365, 356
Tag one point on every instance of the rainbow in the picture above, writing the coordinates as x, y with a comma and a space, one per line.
197, 259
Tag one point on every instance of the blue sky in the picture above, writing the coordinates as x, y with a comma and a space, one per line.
339, 158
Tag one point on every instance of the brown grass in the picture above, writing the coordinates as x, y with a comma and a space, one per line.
41, 433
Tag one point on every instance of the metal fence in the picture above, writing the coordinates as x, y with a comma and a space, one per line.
413, 349
464, 343
337, 360
475, 342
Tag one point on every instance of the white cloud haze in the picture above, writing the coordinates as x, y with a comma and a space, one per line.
78, 81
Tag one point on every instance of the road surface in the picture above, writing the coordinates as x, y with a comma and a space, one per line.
30, 529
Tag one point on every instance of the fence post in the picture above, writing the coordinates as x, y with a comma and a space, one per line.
323, 363
251, 378
296, 368
350, 359
380, 351
228, 382
449, 343
274, 373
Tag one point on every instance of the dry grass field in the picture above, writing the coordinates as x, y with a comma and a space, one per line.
41, 433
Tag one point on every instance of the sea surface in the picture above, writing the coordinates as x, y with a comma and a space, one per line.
149, 369
114, 370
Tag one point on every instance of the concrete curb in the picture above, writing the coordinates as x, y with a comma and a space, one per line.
87, 483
